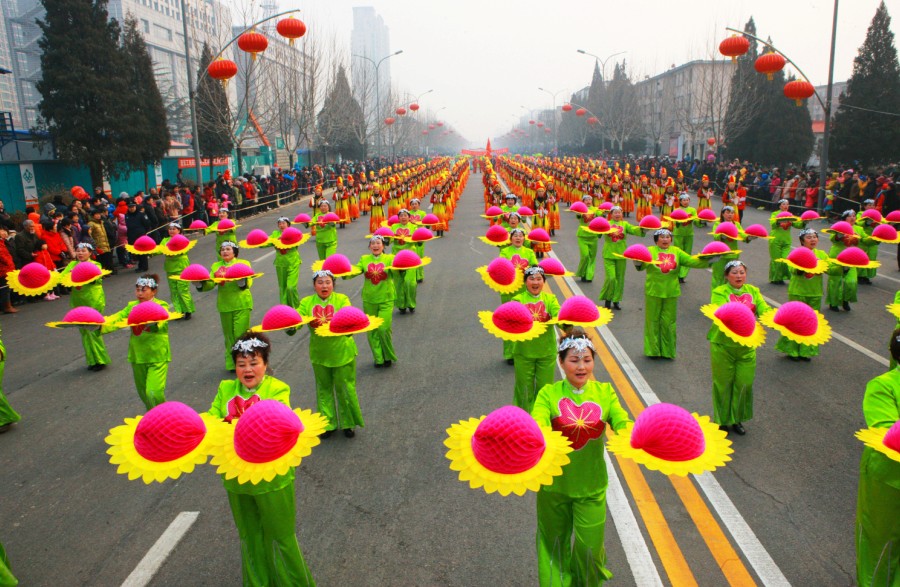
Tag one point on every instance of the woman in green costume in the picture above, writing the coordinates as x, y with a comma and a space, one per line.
869, 245
522, 257
223, 235
405, 286
575, 504
843, 281
326, 233
173, 266
780, 243
807, 288
683, 232
718, 268
265, 513
234, 301
661, 293
733, 363
378, 300
587, 243
878, 501
8, 416
535, 359
614, 267
287, 268
92, 295
333, 359
148, 348
416, 216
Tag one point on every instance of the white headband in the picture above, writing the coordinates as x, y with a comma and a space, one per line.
807, 232
580, 344
175, 225
88, 246
283, 219
533, 270
323, 273
146, 282
735, 263
663, 232
231, 244
515, 230
245, 347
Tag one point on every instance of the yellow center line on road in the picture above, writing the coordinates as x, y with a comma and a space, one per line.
670, 554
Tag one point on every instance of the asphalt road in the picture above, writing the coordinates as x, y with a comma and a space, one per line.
384, 508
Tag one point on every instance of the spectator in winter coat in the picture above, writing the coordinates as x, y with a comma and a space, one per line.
6, 265
5, 219
137, 224
26, 244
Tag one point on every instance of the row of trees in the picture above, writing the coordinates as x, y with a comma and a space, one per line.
746, 114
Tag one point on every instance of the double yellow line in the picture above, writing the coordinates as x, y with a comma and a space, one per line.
674, 563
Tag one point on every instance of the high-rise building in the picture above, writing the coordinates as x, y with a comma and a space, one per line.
369, 44
158, 20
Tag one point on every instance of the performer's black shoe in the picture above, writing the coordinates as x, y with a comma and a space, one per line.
349, 433
327, 433
412, 310
724, 428
379, 365
616, 306
834, 308
739, 428
846, 306
403, 310
607, 304
805, 359
187, 315
510, 361
387, 363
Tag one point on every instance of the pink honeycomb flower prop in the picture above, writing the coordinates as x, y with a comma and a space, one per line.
168, 432
679, 214
508, 441
421, 235
281, 316
668, 432
885, 232
500, 269
493, 211
385, 232
756, 230
707, 214
578, 208
238, 271
599, 224
715, 248
84, 314
302, 217
786, 215
148, 311
810, 215
195, 272
728, 229
638, 252
178, 242
145, 244
198, 225
348, 319
225, 224
84, 272
552, 266
407, 258
431, 219
330, 217
650, 222
737, 317
893, 216
266, 431
803, 257
605, 206
798, 318
290, 236
578, 309
496, 234
892, 437
539, 235
394, 219
873, 215
525, 211
257, 237
853, 256
843, 228
513, 317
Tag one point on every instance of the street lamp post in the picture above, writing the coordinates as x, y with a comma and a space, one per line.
416, 102
603, 73
555, 123
826, 104
192, 89
378, 95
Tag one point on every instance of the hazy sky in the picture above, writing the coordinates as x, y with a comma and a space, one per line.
485, 59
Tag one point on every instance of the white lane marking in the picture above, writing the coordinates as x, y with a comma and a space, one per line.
840, 337
159, 552
266, 256
763, 564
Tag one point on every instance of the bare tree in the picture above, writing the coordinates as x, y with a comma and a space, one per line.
623, 114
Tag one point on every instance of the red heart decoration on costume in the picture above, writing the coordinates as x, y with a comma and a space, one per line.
579, 422
376, 273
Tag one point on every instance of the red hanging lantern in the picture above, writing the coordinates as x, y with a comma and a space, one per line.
390, 120
430, 127
424, 132
711, 141
581, 112
222, 70
540, 124
547, 130
530, 122
414, 107
593, 120
769, 64
798, 90
440, 124
734, 46
401, 111
253, 42
291, 29
566, 107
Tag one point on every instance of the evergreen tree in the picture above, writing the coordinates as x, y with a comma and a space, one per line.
861, 135
213, 112
784, 133
742, 117
341, 119
147, 125
83, 85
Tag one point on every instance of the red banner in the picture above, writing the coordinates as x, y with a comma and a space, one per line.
185, 162
481, 152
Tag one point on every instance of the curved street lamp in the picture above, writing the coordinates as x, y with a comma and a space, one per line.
377, 93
